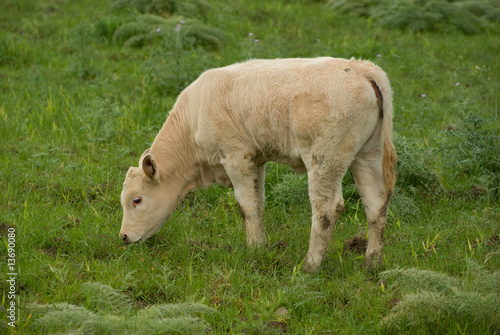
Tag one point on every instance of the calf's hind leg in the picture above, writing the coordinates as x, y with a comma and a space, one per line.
368, 176
325, 193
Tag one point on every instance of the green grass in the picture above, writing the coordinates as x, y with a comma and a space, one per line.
78, 107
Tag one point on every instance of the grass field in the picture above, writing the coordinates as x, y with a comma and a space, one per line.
86, 85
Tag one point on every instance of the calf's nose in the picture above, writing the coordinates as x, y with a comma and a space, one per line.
124, 238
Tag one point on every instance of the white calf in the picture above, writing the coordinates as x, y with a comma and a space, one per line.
320, 115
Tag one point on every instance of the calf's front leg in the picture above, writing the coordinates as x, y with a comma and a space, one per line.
248, 182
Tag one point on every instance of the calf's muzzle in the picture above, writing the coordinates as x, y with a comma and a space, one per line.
125, 238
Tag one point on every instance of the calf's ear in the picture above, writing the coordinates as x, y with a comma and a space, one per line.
150, 168
142, 156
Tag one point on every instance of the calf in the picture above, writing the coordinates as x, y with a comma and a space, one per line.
320, 116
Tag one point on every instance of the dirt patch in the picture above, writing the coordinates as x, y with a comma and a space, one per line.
52, 251
281, 245
356, 244
57, 245
198, 245
72, 221
4, 229
280, 327
477, 192
493, 241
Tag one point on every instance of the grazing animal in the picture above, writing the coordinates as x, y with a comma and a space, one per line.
320, 116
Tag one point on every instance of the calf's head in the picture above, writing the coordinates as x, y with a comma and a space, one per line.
145, 201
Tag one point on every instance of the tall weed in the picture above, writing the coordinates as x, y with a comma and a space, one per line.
472, 154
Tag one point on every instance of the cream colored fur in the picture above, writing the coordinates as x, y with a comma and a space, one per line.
320, 116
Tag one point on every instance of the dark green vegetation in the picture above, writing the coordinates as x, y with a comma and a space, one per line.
85, 87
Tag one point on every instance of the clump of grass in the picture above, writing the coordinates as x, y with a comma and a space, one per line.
472, 152
416, 177
416, 169
149, 28
423, 15
404, 206
290, 192
101, 117
147, 6
110, 312
434, 302
180, 57
181, 48
82, 63
13, 51
105, 27
100, 297
7, 52
166, 7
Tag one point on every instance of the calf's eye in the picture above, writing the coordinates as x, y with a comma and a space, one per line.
136, 201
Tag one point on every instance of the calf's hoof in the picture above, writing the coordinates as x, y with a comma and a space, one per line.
373, 260
310, 266
256, 243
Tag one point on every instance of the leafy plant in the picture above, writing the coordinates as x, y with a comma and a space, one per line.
166, 7
148, 28
473, 151
109, 312
404, 205
416, 169
436, 302
291, 191
423, 15
178, 60
104, 28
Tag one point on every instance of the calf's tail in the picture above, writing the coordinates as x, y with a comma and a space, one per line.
389, 158
383, 93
